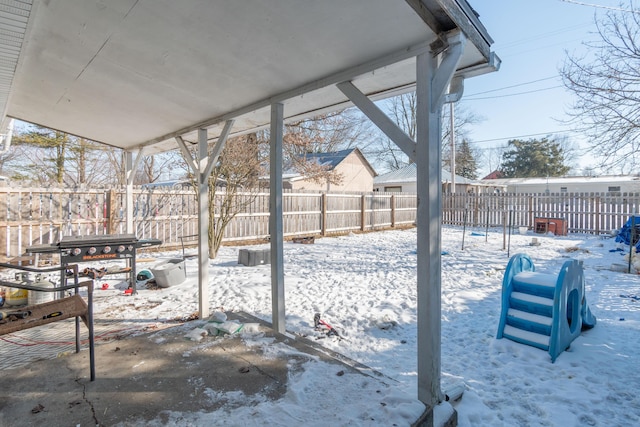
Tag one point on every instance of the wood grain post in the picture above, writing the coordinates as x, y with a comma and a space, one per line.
362, 211
393, 210
324, 214
112, 212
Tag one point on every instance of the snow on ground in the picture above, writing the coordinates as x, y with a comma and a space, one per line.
364, 285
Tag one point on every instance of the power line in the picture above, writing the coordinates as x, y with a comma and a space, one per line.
536, 37
600, 6
512, 86
528, 136
511, 94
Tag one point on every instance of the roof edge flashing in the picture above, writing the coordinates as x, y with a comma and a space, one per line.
491, 66
446, 15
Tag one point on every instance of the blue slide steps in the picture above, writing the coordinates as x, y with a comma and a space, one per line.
543, 310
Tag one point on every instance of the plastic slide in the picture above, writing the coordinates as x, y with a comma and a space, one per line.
543, 310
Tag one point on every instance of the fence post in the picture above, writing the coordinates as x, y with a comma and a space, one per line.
476, 208
111, 211
362, 211
324, 214
393, 210
530, 216
504, 230
597, 218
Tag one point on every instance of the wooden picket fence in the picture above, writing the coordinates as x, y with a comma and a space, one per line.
30, 216
39, 216
593, 213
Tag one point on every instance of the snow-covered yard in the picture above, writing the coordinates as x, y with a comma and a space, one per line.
364, 285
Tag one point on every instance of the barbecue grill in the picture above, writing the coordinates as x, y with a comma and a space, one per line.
105, 247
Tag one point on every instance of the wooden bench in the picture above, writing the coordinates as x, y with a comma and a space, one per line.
16, 319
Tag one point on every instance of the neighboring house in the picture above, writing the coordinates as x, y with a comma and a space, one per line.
355, 171
404, 180
494, 175
569, 184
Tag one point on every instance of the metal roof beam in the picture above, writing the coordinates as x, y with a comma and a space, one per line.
222, 140
204, 171
379, 118
187, 155
447, 67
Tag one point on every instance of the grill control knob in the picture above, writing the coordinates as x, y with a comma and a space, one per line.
120, 249
91, 250
106, 249
76, 251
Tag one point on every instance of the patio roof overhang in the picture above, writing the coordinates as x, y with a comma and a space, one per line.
160, 74
138, 73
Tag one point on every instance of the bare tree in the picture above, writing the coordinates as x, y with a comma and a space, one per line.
491, 157
5, 160
325, 133
322, 134
233, 185
402, 110
463, 119
234, 181
382, 151
154, 168
386, 154
607, 86
116, 163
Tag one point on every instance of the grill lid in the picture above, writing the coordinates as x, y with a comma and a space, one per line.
111, 239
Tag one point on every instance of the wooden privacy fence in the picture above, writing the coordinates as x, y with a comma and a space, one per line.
594, 213
40, 216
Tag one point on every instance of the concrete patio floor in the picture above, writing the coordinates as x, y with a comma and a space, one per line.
139, 379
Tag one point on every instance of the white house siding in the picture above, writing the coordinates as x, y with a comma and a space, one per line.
356, 176
404, 180
403, 187
574, 184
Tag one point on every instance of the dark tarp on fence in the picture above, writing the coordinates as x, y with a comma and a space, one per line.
630, 231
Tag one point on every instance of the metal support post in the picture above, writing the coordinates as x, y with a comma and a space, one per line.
203, 226
276, 227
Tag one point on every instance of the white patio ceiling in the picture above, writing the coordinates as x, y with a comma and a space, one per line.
134, 73
139, 73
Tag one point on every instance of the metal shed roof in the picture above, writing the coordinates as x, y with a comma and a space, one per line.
606, 179
409, 174
134, 73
